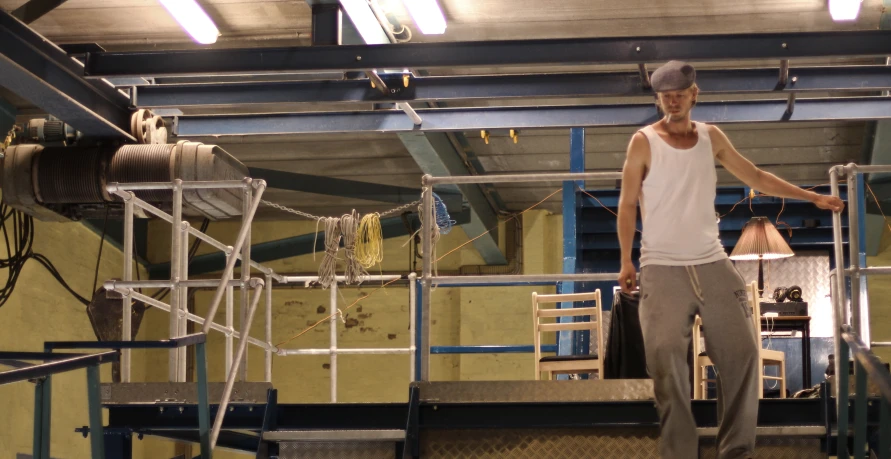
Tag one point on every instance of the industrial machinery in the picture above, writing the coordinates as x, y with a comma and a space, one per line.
54, 183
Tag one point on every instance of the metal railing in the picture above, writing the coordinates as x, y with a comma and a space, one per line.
334, 351
179, 285
852, 324
428, 279
41, 374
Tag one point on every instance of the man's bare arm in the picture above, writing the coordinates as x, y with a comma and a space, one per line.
632, 179
764, 181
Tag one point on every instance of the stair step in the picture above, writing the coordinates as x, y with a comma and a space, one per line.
784, 431
335, 435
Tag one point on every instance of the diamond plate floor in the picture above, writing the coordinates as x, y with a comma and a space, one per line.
602, 443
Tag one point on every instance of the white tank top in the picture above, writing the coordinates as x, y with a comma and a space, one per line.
680, 227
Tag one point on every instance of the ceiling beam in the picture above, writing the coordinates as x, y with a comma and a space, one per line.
35, 9
353, 189
802, 80
537, 117
625, 50
35, 69
433, 152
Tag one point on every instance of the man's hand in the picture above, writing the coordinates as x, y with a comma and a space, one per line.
832, 203
628, 277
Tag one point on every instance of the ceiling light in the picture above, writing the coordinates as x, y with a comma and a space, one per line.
427, 16
844, 10
190, 15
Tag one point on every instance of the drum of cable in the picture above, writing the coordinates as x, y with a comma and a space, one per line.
143, 163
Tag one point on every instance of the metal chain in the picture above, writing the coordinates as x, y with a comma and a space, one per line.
315, 217
401, 208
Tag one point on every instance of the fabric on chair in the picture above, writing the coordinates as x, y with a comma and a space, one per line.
624, 357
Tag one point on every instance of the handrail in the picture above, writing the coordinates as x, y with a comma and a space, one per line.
173, 343
58, 366
873, 366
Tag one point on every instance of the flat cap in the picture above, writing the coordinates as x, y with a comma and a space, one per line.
673, 76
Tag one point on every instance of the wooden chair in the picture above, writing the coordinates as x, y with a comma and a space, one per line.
769, 357
568, 364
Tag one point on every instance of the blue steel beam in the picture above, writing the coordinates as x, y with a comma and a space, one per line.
349, 188
285, 248
7, 118
625, 84
37, 70
627, 50
876, 141
548, 117
35, 9
436, 156
433, 152
566, 345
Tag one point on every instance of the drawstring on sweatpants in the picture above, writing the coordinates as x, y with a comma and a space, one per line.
694, 280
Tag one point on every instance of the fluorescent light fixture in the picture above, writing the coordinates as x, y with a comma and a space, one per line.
366, 22
190, 15
844, 10
427, 16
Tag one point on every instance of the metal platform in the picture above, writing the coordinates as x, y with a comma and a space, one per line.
167, 392
495, 419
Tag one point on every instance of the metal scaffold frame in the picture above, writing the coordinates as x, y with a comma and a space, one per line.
850, 301
428, 279
179, 284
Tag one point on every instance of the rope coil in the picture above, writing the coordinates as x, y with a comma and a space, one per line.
354, 273
328, 267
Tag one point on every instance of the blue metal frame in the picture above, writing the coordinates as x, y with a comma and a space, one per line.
456, 88
35, 9
569, 343
532, 117
493, 349
610, 50
198, 340
42, 373
37, 70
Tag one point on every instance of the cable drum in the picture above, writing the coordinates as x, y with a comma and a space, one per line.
143, 163
66, 177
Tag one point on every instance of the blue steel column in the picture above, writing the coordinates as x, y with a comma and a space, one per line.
97, 440
565, 344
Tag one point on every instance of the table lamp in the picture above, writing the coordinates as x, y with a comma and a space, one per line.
760, 240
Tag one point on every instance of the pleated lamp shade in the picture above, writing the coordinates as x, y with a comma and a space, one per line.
760, 240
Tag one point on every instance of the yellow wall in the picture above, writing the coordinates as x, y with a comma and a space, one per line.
880, 298
39, 310
459, 316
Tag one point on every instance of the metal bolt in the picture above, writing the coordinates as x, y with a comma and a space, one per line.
231, 409
358, 58
794, 80
638, 49
161, 409
785, 46
181, 409
435, 407
250, 408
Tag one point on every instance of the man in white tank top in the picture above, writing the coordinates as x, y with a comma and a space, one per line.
670, 171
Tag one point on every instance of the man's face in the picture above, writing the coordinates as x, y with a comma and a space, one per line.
677, 104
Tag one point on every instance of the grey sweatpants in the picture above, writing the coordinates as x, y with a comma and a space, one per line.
671, 296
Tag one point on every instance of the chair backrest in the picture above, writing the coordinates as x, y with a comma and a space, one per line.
756, 311
594, 324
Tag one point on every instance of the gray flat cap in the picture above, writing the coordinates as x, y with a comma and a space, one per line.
673, 76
